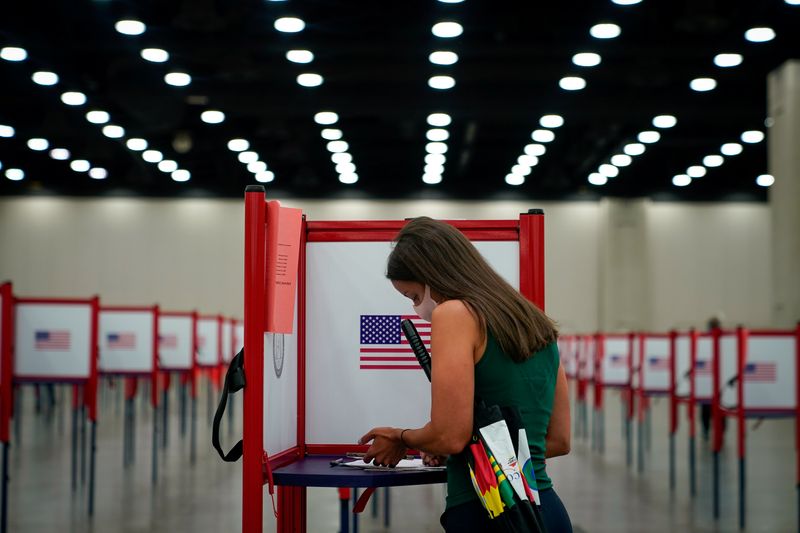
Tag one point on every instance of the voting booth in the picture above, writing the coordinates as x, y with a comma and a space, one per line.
339, 364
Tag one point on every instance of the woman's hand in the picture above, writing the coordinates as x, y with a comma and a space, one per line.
387, 449
432, 460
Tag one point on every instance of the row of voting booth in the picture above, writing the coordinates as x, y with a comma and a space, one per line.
78, 342
739, 373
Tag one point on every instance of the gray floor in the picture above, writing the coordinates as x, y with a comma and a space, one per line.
600, 492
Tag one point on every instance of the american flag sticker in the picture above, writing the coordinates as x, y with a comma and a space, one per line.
170, 340
46, 340
702, 368
658, 363
121, 341
618, 360
383, 346
201, 342
760, 373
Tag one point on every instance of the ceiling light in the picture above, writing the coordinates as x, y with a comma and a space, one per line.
605, 31
436, 148
515, 179
113, 131
595, 178
152, 156
451, 1
326, 118
300, 56
345, 168
73, 98
331, 134
727, 60
98, 173
521, 170
586, 59
6, 131
439, 120
649, 137
433, 168
348, 179
154, 55
309, 79
437, 134
528, 160
265, 177
752, 136
609, 171
97, 117
181, 175
681, 180
13, 53
790, 2
289, 24
38, 144
337, 146
621, 160
551, 121
443, 57
15, 174
696, 171
80, 165
167, 165
713, 160
130, 27
626, 2
435, 159
765, 180
543, 136
248, 157
703, 84
341, 157
60, 154
178, 79
256, 166
44, 77
441, 82
731, 149
446, 30
432, 179
136, 144
572, 83
759, 35
238, 145
537, 150
634, 149
212, 116
664, 121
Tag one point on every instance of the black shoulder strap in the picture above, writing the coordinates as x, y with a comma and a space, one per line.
234, 381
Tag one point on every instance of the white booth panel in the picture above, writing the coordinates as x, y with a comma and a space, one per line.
280, 389
126, 341
728, 368
586, 354
683, 364
208, 342
227, 336
656, 365
636, 377
702, 368
238, 337
769, 375
175, 342
615, 361
53, 341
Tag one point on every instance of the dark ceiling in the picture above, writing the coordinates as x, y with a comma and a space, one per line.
374, 60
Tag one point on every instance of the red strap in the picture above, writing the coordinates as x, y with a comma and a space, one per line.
362, 500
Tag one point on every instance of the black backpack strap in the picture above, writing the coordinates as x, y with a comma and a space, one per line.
234, 381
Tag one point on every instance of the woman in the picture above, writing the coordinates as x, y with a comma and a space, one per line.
487, 341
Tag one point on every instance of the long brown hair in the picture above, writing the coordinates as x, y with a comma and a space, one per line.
436, 254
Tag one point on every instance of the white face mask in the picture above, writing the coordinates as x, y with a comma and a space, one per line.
425, 309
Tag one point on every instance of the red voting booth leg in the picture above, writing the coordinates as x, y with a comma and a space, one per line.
741, 354
692, 408
292, 509
531, 256
716, 419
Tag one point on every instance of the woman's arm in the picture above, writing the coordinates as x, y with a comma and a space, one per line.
557, 440
455, 337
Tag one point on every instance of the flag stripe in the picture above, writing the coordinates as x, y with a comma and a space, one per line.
52, 340
391, 367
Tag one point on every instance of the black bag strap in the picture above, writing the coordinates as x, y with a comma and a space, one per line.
234, 381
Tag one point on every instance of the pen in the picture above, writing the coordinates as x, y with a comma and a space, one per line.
357, 455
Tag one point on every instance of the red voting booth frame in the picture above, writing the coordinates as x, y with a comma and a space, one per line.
6, 364
257, 466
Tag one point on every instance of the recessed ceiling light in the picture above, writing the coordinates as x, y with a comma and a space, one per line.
154, 55
44, 77
130, 27
664, 121
436, 148
345, 168
38, 144
152, 156
649, 137
551, 121
543, 136
167, 165
212, 116
447, 30
432, 179
759, 34
793, 2
681, 180
256, 166
765, 180
626, 2
451, 1
435, 159
753, 136
439, 120
238, 145
80, 165
300, 56
113, 131
609, 171
178, 79
309, 79
731, 149
437, 134
586, 59
621, 160
634, 149
728, 60
181, 175
515, 180
61, 154
265, 177
605, 31
441, 82
73, 98
136, 144
433, 168
97, 117
98, 173
528, 160
341, 157
713, 160
248, 157
595, 178
348, 179
572, 83
331, 134
696, 171
521, 170
289, 24
703, 84
6, 131
326, 118
337, 146
443, 57
537, 150
13, 53
15, 174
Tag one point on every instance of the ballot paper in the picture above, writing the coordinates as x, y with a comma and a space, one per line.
404, 464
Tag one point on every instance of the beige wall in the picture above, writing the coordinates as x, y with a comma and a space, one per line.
611, 264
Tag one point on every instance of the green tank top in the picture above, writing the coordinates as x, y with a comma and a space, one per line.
530, 386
